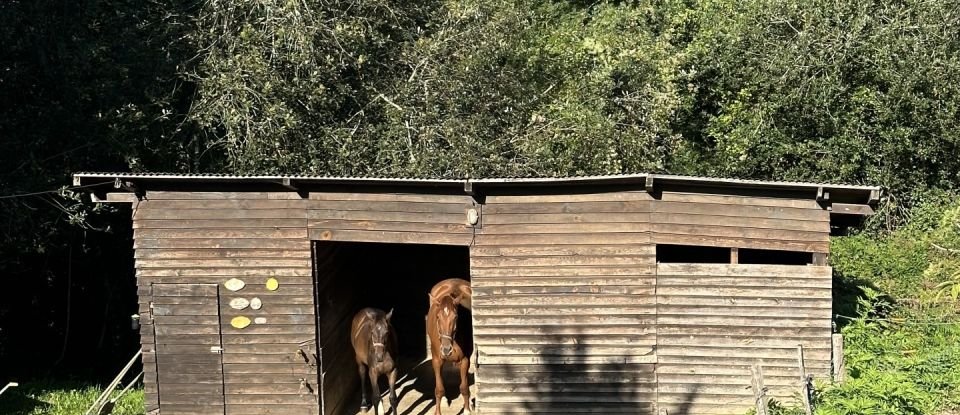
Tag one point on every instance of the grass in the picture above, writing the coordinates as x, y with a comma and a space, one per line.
64, 399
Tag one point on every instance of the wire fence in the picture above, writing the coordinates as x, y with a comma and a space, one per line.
58, 190
931, 322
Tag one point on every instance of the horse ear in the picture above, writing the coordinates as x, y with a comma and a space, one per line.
458, 299
433, 300
389, 314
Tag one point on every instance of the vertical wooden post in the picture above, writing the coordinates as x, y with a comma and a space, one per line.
734, 255
819, 258
759, 392
804, 386
839, 366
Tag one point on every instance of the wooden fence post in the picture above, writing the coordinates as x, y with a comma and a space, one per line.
804, 386
839, 366
759, 392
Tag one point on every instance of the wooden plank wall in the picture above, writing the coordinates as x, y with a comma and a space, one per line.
740, 221
389, 218
715, 320
564, 304
210, 237
569, 312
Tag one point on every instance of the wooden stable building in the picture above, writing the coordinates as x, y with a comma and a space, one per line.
613, 294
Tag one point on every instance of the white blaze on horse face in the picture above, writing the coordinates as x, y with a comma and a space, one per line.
379, 338
446, 310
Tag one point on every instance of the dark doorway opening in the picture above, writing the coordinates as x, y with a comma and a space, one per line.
352, 275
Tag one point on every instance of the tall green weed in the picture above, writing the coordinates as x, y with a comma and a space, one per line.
893, 292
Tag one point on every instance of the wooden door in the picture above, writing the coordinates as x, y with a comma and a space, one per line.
189, 349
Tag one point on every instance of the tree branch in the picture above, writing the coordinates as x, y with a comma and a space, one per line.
952, 251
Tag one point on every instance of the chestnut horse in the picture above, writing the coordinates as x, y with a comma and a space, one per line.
375, 344
442, 330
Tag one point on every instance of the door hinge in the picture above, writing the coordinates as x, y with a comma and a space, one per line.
216, 349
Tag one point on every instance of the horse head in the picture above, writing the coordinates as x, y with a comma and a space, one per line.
446, 315
379, 335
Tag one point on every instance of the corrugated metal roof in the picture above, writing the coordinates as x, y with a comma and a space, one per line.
838, 193
84, 177
676, 179
166, 175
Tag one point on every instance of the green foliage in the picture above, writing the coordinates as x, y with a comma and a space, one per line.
89, 85
912, 261
904, 359
286, 85
880, 394
75, 97
815, 89
64, 399
775, 407
473, 87
859, 92
906, 366
895, 264
809, 89
901, 341
947, 247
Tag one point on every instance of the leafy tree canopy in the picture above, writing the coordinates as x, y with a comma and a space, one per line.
856, 92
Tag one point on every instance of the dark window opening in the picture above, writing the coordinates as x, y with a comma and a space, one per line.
693, 254
773, 257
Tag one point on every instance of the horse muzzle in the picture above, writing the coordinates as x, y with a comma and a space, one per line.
378, 353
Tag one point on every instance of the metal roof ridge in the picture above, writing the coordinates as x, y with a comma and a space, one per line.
164, 175
481, 181
758, 181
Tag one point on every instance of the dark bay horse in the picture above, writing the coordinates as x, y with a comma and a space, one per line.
442, 330
375, 344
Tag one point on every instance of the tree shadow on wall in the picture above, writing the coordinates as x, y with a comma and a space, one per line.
584, 373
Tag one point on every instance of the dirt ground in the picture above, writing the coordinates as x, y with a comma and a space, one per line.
415, 390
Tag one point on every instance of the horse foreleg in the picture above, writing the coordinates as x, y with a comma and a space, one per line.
464, 386
375, 391
394, 401
364, 402
438, 390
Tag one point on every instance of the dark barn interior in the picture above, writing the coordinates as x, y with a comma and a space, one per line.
354, 275
717, 255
